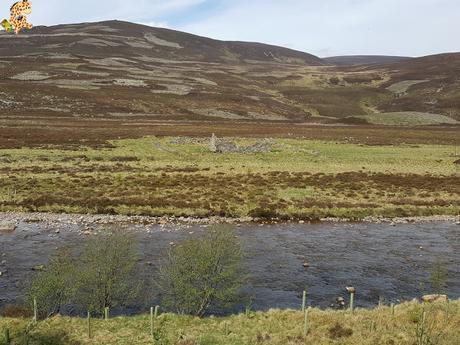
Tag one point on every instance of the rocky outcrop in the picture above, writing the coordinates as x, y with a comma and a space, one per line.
227, 146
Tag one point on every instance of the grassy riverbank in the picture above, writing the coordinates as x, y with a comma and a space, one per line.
298, 178
441, 326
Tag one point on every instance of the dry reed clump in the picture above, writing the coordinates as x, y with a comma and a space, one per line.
16, 311
338, 331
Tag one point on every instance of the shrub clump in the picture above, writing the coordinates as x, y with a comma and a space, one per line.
202, 274
100, 276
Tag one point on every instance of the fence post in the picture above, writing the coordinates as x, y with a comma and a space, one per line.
106, 313
352, 302
305, 321
153, 316
447, 308
392, 309
151, 321
351, 290
35, 311
89, 325
7, 337
304, 300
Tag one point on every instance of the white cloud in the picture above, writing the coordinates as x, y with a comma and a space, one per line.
164, 25
322, 27
329, 27
49, 12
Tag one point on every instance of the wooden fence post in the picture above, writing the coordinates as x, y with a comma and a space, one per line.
106, 313
352, 302
35, 311
351, 290
392, 309
304, 300
7, 337
153, 316
90, 335
305, 321
151, 321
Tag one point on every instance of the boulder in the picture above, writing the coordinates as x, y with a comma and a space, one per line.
350, 289
434, 298
38, 268
339, 303
7, 228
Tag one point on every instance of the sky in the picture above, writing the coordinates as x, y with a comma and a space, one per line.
320, 27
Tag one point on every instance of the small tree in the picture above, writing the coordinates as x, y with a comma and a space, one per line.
202, 273
107, 271
102, 275
438, 276
55, 287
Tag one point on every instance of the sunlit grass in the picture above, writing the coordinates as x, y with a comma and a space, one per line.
277, 327
302, 178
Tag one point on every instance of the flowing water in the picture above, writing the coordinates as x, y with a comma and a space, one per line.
379, 260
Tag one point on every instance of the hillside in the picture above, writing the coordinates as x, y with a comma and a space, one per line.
124, 39
352, 60
429, 84
138, 75
115, 69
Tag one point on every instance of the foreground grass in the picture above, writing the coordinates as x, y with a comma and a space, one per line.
298, 178
277, 327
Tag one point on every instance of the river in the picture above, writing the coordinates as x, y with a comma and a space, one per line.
380, 260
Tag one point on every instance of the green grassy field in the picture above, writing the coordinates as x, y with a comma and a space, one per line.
298, 178
441, 326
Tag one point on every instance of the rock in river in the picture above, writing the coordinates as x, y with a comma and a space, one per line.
38, 268
434, 298
6, 228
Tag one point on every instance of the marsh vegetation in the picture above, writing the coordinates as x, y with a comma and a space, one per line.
297, 178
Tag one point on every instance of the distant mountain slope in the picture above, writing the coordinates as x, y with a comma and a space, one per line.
437, 66
435, 86
352, 60
119, 70
124, 38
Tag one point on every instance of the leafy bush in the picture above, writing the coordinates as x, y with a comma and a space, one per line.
200, 274
106, 275
54, 287
102, 275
